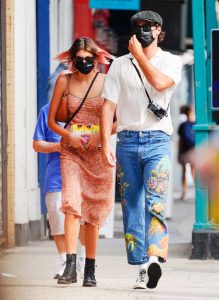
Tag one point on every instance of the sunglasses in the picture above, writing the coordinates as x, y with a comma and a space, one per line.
145, 27
88, 59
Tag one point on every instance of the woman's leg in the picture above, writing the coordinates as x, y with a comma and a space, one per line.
192, 170
71, 232
183, 181
91, 238
71, 236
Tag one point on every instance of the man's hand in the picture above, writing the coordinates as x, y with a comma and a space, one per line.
135, 48
109, 157
57, 147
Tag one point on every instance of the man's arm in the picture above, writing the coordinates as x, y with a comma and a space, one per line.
157, 79
107, 128
46, 147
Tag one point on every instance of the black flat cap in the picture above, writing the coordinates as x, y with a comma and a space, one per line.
147, 15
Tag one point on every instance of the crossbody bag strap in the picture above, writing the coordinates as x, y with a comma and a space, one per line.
149, 98
82, 102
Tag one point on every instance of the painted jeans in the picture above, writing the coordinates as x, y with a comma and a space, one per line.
143, 161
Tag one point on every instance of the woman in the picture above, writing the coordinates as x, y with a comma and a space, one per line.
87, 183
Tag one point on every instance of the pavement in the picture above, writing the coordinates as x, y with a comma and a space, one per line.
26, 272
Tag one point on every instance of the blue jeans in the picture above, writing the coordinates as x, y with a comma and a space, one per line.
143, 161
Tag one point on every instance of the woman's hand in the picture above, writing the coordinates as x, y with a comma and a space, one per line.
109, 157
77, 142
93, 141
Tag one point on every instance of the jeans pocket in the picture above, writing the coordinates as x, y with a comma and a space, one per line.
122, 137
161, 137
158, 140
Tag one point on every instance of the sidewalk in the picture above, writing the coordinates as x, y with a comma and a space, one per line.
26, 272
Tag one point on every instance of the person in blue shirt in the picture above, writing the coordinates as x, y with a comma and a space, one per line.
186, 144
47, 141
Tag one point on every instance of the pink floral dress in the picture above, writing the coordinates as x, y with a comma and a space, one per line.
87, 184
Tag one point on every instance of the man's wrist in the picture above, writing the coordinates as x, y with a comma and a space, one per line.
55, 147
140, 58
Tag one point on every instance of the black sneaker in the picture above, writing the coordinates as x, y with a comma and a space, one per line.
154, 273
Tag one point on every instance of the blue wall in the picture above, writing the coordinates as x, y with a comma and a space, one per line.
43, 71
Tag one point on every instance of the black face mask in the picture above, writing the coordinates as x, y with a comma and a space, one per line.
143, 34
84, 64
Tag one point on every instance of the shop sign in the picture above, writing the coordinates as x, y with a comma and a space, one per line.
115, 4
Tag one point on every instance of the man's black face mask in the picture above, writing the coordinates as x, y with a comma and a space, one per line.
143, 34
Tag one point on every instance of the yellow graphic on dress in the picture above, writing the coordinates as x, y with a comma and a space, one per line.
78, 129
130, 240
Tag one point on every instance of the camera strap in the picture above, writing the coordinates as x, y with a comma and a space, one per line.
139, 75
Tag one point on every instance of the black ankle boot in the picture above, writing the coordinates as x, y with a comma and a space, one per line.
70, 274
89, 273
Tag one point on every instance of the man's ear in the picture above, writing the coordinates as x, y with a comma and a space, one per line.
159, 29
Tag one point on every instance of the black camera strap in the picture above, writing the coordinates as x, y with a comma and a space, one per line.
82, 102
139, 75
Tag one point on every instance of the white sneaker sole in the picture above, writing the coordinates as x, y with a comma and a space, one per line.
139, 286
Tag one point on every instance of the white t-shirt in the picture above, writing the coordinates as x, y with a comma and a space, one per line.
123, 87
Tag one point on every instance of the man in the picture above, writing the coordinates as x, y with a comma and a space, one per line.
139, 87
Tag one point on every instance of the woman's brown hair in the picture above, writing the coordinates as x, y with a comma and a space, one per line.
83, 43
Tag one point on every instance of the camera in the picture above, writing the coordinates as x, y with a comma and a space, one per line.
158, 111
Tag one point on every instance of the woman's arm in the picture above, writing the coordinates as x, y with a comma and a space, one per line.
46, 147
76, 142
114, 127
59, 90
108, 128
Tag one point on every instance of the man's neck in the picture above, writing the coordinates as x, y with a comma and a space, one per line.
151, 50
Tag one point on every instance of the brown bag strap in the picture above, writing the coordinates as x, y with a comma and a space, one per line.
67, 90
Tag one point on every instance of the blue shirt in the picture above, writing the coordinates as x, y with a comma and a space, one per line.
187, 136
53, 181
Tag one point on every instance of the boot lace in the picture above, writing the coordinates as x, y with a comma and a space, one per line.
90, 271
